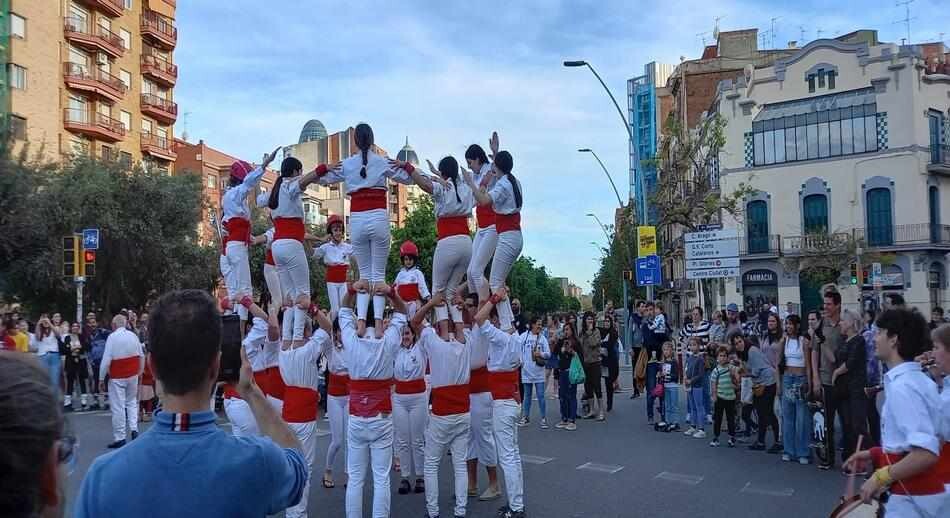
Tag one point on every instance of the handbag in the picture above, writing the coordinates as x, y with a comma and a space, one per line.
658, 390
758, 390
576, 373
745, 390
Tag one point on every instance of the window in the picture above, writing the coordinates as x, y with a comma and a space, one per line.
822, 134
125, 160
17, 76
126, 37
79, 145
17, 26
933, 200
148, 87
815, 214
935, 121
831, 79
211, 182
128, 4
18, 127
126, 77
880, 221
146, 126
108, 154
126, 119
757, 217
811, 84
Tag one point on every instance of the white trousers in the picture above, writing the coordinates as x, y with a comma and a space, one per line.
486, 239
447, 432
293, 271
368, 440
307, 435
335, 292
124, 404
903, 506
238, 275
338, 409
481, 439
369, 231
409, 415
506, 253
505, 413
449, 263
242, 420
272, 279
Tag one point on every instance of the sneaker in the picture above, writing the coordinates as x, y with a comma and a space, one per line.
757, 446
135, 434
420, 486
523, 421
804, 461
732, 442
786, 457
117, 444
709, 419
775, 448
561, 425
690, 431
744, 439
649, 421
570, 427
490, 494
544, 424
700, 434
824, 467
404, 487
675, 428
714, 443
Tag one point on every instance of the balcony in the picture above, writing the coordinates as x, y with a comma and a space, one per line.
939, 160
157, 146
159, 30
112, 8
159, 70
760, 247
162, 109
96, 39
93, 80
916, 236
93, 124
818, 242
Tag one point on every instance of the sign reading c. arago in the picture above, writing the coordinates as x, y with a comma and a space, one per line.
712, 254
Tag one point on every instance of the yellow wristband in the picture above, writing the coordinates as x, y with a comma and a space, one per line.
883, 476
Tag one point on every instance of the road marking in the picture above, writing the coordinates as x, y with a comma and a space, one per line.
535, 459
680, 477
767, 490
603, 468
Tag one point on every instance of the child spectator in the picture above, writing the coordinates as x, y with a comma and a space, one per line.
670, 376
695, 374
724, 380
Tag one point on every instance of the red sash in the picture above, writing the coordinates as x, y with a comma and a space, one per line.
409, 292
411, 387
367, 199
300, 404
230, 393
269, 257
450, 400
448, 226
943, 463
927, 483
507, 222
239, 229
485, 216
504, 385
369, 398
263, 380
480, 381
338, 385
289, 228
124, 367
337, 272
277, 385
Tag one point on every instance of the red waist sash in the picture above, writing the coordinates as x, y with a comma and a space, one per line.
124, 367
367, 199
448, 226
485, 216
337, 272
300, 404
450, 400
269, 257
411, 386
338, 385
480, 381
507, 222
239, 229
369, 398
277, 385
926, 483
504, 385
230, 393
409, 292
289, 228
263, 380
943, 463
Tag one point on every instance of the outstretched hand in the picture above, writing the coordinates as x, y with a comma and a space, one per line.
493, 144
383, 289
268, 158
437, 298
361, 285
502, 292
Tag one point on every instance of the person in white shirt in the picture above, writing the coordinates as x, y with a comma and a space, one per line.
338, 402
486, 237
534, 348
481, 440
504, 359
236, 220
264, 327
369, 435
410, 282
335, 254
122, 360
410, 405
46, 346
506, 200
940, 369
906, 461
365, 175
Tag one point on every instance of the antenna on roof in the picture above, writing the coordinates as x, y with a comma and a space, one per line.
801, 34
772, 32
818, 33
715, 33
702, 35
907, 17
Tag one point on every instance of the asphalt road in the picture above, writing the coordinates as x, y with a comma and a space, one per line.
619, 468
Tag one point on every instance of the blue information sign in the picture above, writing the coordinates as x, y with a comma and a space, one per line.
90, 239
648, 270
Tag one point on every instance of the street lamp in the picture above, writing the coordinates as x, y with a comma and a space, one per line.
606, 172
602, 227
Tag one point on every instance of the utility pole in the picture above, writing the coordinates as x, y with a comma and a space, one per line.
907, 18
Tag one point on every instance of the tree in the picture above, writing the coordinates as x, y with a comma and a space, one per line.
619, 255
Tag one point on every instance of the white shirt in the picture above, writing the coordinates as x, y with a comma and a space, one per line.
448, 361
410, 363
234, 201
477, 347
121, 343
413, 276
289, 200
531, 372
377, 171
504, 350
334, 254
271, 352
336, 362
300, 367
944, 429
254, 343
485, 178
911, 413
48, 344
447, 204
370, 358
503, 196
794, 353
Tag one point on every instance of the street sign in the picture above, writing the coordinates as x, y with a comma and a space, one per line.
648, 270
702, 264
709, 228
712, 249
714, 273
711, 235
90, 239
646, 241
877, 275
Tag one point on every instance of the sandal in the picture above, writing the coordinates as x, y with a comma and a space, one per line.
404, 487
328, 482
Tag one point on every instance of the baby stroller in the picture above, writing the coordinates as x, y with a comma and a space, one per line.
818, 443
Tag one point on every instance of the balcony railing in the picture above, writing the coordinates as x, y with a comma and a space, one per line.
97, 38
905, 235
760, 245
939, 159
157, 146
814, 242
159, 29
92, 79
93, 124
160, 70
112, 8
163, 109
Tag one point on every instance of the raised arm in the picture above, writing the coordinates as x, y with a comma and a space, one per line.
351, 293
481, 195
485, 311
399, 305
421, 313
326, 174
321, 319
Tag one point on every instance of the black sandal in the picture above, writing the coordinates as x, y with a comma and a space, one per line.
420, 486
404, 487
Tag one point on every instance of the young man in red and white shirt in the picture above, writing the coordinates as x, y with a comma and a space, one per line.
122, 360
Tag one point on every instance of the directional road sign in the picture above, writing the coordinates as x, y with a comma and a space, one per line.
90, 239
712, 253
648, 270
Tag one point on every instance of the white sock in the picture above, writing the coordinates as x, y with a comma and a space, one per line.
379, 305
505, 316
242, 313
441, 313
300, 322
456, 313
362, 305
287, 329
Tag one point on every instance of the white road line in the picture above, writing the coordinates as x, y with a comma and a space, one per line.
767, 491
535, 459
680, 477
602, 468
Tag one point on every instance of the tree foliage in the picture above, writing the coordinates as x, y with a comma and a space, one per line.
822, 257
619, 255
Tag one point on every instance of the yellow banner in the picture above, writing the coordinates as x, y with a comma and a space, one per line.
646, 241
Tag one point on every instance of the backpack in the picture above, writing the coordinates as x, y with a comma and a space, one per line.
97, 345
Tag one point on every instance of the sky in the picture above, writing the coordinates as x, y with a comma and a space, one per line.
447, 74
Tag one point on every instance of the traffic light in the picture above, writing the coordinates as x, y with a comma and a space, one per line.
854, 274
628, 275
88, 263
71, 256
